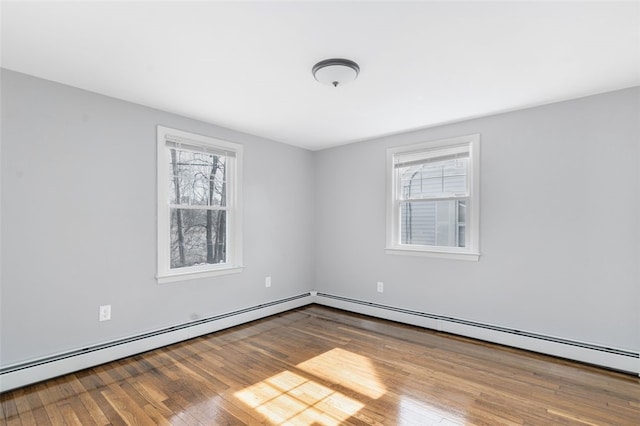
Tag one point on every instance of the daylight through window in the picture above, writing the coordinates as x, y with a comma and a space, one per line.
198, 204
433, 198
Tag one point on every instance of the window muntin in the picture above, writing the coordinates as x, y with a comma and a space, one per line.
198, 206
197, 178
432, 223
435, 176
433, 197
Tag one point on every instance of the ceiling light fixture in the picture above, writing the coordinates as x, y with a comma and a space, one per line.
335, 72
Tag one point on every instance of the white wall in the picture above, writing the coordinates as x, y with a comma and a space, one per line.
559, 232
79, 222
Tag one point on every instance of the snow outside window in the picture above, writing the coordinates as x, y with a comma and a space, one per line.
199, 229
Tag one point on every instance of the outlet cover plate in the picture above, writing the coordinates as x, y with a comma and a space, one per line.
105, 313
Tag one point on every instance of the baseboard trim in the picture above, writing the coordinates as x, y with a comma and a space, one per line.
25, 373
613, 358
22, 374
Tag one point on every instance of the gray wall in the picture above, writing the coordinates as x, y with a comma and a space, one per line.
79, 221
559, 224
560, 227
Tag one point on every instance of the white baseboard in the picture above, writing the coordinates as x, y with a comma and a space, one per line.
18, 375
617, 359
26, 373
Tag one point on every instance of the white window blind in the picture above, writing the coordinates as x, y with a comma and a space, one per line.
408, 159
186, 144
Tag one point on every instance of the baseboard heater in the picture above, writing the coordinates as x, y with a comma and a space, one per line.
614, 358
33, 371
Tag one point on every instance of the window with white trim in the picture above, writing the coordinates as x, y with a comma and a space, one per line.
199, 209
433, 198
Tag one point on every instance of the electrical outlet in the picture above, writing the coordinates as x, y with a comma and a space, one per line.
380, 286
105, 313
267, 282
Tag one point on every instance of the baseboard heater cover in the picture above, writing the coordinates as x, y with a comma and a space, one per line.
22, 374
613, 358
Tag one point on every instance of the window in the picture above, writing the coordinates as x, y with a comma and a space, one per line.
199, 211
432, 198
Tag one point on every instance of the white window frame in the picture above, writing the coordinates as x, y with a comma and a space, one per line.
472, 231
233, 262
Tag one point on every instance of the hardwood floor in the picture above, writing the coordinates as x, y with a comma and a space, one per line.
320, 366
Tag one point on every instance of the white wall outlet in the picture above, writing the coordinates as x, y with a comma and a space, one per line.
380, 286
267, 281
105, 313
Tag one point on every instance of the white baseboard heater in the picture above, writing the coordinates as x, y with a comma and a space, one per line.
25, 373
22, 374
613, 358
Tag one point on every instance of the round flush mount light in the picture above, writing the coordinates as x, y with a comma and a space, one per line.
335, 72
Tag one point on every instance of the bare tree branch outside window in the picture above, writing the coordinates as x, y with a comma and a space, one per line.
198, 208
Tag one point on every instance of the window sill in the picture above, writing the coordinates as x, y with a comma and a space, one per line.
439, 254
192, 275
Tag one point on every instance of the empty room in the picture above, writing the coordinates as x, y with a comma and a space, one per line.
320, 213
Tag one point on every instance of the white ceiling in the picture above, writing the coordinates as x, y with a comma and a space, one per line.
247, 66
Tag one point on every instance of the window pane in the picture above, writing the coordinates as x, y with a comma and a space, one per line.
433, 223
197, 179
434, 179
197, 237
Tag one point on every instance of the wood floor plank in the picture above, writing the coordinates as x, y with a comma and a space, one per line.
23, 407
93, 386
97, 416
36, 408
10, 413
155, 415
127, 409
50, 399
321, 366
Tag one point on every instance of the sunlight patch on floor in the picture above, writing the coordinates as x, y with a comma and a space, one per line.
412, 411
347, 369
290, 398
